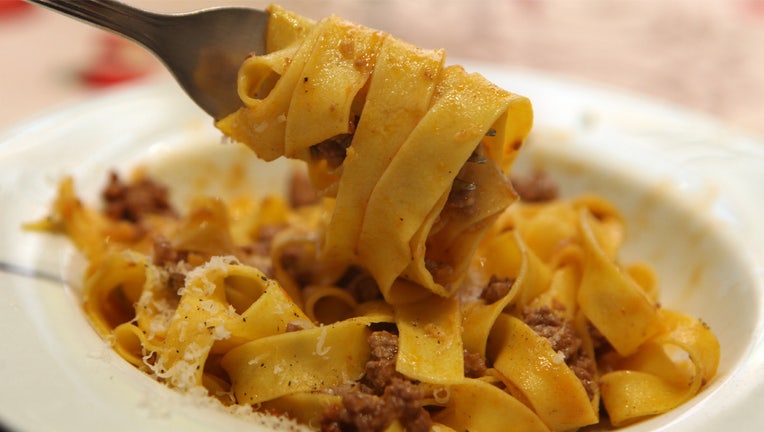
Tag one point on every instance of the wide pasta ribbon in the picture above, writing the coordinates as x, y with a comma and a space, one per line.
430, 330
664, 373
397, 99
112, 287
365, 111
223, 304
506, 257
308, 360
539, 375
610, 299
475, 405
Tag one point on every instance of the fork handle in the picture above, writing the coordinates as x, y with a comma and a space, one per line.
136, 24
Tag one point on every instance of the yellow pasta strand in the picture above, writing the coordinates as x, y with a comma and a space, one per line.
306, 360
429, 330
285, 28
505, 257
528, 361
656, 379
111, 288
398, 207
399, 95
611, 301
474, 405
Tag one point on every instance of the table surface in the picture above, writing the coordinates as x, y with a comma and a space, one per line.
707, 55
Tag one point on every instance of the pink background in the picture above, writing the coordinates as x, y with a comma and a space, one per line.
707, 55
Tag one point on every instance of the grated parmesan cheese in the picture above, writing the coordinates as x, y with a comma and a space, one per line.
322, 350
198, 278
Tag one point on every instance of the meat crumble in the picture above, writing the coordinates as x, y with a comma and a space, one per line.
382, 397
496, 289
334, 150
474, 365
548, 323
131, 202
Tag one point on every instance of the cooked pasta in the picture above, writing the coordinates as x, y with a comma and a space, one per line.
387, 130
415, 294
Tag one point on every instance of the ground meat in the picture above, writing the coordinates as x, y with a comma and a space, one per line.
301, 191
165, 255
496, 289
335, 149
362, 412
474, 365
584, 366
176, 280
359, 412
383, 345
380, 369
383, 396
130, 202
535, 187
405, 401
439, 270
549, 323
332, 150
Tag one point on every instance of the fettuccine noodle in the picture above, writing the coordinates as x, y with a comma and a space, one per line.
413, 295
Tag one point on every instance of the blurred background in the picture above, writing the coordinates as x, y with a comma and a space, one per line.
706, 55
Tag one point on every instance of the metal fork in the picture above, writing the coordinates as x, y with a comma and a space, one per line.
202, 49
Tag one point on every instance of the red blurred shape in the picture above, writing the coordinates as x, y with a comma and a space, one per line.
117, 61
12, 7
